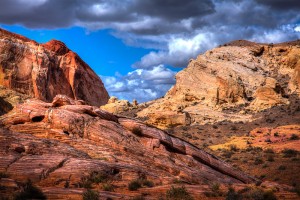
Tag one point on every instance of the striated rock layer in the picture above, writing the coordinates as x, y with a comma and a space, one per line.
64, 142
230, 82
45, 70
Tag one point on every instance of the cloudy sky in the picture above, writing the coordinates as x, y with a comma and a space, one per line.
137, 46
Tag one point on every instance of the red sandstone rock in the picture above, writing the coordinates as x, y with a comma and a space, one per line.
64, 143
46, 70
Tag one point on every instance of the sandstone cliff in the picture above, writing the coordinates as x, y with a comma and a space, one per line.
45, 70
60, 145
230, 82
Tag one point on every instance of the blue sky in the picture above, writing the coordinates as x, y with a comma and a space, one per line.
106, 54
137, 46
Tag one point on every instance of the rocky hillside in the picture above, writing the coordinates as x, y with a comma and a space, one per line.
45, 70
64, 147
231, 82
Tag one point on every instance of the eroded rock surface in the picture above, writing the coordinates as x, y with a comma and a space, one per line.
46, 70
56, 143
230, 82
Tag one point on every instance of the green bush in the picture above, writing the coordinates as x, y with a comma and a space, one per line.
90, 195
138, 183
232, 194
233, 147
258, 161
287, 153
99, 177
29, 191
147, 183
178, 193
108, 187
294, 137
134, 185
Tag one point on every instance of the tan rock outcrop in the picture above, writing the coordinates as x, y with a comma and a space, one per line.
229, 82
57, 144
114, 105
45, 70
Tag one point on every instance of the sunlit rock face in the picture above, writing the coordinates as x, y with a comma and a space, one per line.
230, 82
45, 70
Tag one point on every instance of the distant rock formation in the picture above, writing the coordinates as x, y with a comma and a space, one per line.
45, 70
64, 142
230, 83
115, 106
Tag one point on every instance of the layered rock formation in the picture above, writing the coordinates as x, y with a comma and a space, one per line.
64, 142
230, 82
45, 70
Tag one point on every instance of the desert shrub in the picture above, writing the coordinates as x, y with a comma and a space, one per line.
137, 131
270, 158
96, 177
107, 187
85, 182
227, 154
287, 153
90, 195
294, 137
276, 134
99, 177
282, 167
3, 175
215, 187
138, 183
269, 150
138, 198
178, 193
252, 193
258, 161
134, 185
215, 191
29, 191
265, 166
147, 183
233, 147
269, 195
268, 140
232, 194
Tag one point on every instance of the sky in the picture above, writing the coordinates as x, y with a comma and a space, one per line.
137, 46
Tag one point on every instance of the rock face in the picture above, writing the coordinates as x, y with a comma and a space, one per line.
115, 106
45, 70
10, 98
65, 142
230, 82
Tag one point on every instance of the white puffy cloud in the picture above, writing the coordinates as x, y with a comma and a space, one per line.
179, 51
141, 84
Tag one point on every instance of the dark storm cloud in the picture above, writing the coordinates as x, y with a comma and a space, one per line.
39, 13
104, 14
281, 4
173, 10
